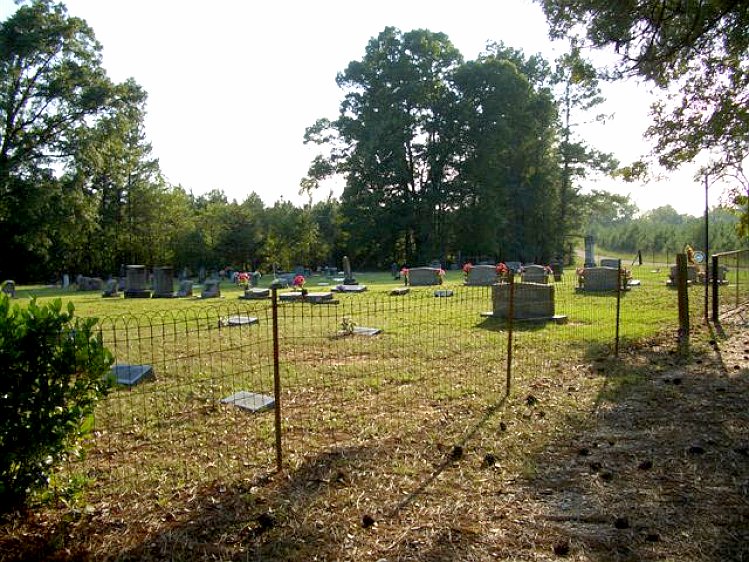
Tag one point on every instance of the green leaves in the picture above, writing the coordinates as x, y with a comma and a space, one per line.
53, 374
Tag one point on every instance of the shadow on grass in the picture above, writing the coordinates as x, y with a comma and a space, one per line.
663, 472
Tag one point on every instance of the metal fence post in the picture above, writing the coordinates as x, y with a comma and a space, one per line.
714, 269
683, 300
511, 313
277, 381
620, 279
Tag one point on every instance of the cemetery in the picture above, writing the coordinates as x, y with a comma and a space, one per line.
205, 358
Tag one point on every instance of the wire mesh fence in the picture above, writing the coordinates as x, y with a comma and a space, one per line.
414, 371
730, 287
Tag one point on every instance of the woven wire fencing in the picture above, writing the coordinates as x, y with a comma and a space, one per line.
730, 287
405, 373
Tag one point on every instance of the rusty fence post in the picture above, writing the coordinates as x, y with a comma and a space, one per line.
277, 381
620, 279
683, 302
510, 315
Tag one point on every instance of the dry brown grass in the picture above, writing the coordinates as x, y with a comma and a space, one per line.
645, 458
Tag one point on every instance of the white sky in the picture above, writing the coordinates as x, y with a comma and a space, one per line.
232, 85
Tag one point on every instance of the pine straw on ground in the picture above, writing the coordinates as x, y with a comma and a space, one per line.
641, 458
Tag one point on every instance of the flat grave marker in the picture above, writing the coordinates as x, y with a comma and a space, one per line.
250, 401
130, 375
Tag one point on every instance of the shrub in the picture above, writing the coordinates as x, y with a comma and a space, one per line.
52, 372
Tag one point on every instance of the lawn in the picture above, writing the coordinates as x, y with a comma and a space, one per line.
369, 424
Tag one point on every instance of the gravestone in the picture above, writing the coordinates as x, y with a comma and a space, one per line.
65, 280
255, 278
325, 297
237, 320
424, 276
441, 293
590, 258
608, 262
399, 291
348, 278
436, 264
211, 289
185, 288
135, 283
130, 374
250, 401
163, 283
673, 277
255, 293
514, 266
350, 288
532, 301
534, 274
201, 274
600, 279
9, 288
482, 275
708, 275
111, 289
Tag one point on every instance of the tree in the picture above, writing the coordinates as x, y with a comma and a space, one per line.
393, 146
507, 178
52, 89
580, 93
699, 50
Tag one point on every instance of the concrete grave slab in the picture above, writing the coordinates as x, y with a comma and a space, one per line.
399, 291
443, 293
255, 294
238, 320
350, 288
364, 331
130, 374
250, 401
292, 296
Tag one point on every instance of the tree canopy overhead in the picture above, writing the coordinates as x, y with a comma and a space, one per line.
699, 49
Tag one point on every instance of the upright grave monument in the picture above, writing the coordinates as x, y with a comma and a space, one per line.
135, 282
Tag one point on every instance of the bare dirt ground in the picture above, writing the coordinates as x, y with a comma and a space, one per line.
650, 463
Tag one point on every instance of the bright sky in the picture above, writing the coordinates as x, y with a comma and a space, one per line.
232, 85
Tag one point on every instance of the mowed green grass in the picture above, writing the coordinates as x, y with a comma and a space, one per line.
437, 366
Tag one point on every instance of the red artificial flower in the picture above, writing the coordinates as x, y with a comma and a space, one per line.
299, 281
467, 268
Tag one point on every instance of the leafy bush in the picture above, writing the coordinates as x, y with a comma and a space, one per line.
52, 372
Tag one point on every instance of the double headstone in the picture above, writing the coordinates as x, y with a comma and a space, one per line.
482, 275
530, 300
609, 262
600, 279
534, 274
423, 276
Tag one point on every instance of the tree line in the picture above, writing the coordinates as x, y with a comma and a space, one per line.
442, 158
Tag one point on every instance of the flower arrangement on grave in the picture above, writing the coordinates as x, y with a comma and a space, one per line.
440, 273
503, 272
243, 279
625, 277
298, 282
580, 272
467, 269
404, 274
